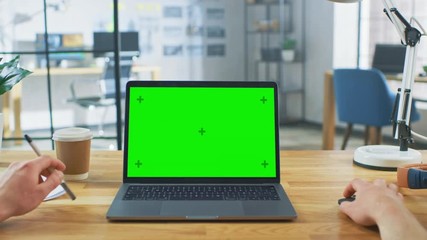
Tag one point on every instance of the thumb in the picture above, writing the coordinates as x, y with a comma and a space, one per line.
346, 207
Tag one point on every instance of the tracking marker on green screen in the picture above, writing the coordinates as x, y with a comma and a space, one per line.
138, 164
202, 131
263, 100
140, 99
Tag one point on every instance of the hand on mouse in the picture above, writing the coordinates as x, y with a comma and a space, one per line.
381, 204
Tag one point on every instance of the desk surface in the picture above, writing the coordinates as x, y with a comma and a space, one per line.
314, 181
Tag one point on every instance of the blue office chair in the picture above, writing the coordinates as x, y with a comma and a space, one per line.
363, 97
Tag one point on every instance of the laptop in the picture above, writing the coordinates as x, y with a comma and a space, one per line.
199, 150
389, 58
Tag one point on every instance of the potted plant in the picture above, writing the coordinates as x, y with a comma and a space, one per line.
288, 50
10, 74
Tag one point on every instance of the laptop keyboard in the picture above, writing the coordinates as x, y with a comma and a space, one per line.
198, 192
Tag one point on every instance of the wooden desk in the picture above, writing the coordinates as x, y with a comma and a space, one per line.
329, 116
306, 176
153, 70
15, 95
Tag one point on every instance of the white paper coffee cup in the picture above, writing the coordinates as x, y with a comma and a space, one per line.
73, 149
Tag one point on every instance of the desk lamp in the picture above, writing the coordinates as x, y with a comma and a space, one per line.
383, 157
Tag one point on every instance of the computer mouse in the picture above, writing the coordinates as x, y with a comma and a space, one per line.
348, 199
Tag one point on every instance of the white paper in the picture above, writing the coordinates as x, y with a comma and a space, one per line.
57, 192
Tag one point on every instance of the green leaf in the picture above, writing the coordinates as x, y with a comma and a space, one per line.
11, 74
289, 44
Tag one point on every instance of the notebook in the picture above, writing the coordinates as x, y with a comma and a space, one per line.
199, 150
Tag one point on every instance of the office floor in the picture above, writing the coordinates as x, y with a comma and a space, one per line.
295, 136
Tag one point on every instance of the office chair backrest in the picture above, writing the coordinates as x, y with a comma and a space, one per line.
363, 97
108, 77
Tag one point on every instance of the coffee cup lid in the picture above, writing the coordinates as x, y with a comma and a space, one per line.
72, 134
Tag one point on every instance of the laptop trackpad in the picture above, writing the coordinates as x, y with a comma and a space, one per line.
202, 209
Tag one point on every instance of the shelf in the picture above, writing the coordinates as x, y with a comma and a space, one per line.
263, 32
283, 62
264, 3
267, 25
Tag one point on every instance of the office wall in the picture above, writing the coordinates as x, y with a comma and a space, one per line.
158, 31
318, 54
345, 35
146, 17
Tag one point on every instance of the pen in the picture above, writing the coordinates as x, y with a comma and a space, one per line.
37, 151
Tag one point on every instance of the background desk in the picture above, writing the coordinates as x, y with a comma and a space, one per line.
329, 117
314, 181
16, 94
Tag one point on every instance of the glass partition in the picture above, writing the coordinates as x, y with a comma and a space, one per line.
69, 45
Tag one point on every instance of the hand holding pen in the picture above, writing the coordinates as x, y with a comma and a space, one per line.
38, 153
21, 186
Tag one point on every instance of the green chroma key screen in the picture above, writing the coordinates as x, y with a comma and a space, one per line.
201, 132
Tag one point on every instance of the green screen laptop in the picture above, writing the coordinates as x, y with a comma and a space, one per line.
197, 150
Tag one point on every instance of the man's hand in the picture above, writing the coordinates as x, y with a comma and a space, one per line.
381, 204
22, 188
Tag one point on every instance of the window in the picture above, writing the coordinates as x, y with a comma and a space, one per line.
376, 28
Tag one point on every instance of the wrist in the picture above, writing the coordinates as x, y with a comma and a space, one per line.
4, 210
395, 221
3, 215
387, 211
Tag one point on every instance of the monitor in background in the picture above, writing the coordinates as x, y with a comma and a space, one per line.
103, 43
389, 58
59, 44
